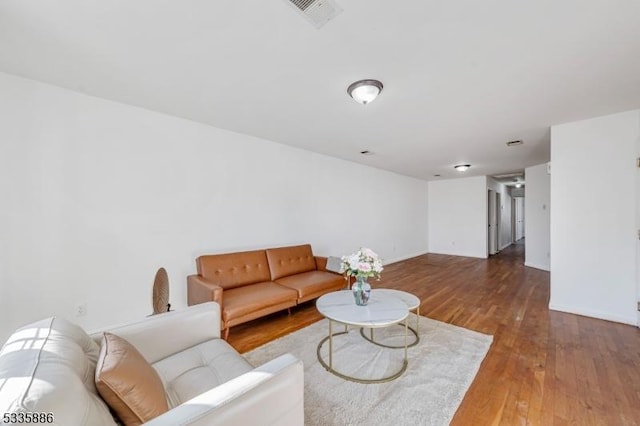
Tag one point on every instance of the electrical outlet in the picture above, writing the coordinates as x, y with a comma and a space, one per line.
81, 309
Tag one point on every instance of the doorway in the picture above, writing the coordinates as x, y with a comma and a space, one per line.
517, 219
497, 229
638, 229
493, 222
491, 213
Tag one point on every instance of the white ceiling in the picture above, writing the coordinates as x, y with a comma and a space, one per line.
461, 77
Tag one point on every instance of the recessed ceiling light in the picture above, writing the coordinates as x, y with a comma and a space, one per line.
518, 185
462, 167
366, 152
364, 91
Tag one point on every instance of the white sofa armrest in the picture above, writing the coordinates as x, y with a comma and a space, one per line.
272, 394
162, 335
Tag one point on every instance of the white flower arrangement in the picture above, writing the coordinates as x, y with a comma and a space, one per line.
363, 263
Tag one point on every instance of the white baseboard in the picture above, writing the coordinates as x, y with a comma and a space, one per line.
401, 258
594, 314
537, 266
460, 254
505, 246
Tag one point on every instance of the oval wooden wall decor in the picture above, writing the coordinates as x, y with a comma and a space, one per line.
161, 292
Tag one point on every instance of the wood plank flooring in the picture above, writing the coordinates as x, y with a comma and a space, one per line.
544, 367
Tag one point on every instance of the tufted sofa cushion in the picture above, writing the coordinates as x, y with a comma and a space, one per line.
49, 367
285, 261
193, 371
234, 269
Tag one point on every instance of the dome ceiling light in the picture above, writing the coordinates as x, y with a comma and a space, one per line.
462, 167
365, 91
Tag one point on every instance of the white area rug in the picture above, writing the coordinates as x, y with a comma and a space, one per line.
441, 368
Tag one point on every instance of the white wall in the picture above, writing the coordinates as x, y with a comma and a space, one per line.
97, 195
537, 208
593, 231
505, 211
458, 216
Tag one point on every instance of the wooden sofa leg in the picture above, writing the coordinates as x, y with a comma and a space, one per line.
226, 333
289, 310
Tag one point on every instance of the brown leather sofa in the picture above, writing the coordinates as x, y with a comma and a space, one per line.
252, 284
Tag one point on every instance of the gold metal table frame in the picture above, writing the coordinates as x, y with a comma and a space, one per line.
329, 367
415, 331
413, 304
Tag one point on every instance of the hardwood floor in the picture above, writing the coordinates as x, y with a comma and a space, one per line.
543, 368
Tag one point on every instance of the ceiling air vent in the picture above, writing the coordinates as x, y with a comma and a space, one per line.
302, 4
508, 175
318, 12
514, 143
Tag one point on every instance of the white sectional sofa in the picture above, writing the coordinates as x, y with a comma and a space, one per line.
49, 367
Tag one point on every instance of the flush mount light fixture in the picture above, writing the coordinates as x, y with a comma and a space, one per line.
462, 167
518, 185
364, 91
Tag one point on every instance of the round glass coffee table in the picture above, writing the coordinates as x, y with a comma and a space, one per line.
413, 304
381, 311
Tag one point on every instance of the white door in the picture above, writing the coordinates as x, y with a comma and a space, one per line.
638, 228
519, 218
498, 243
521, 224
491, 217
514, 220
